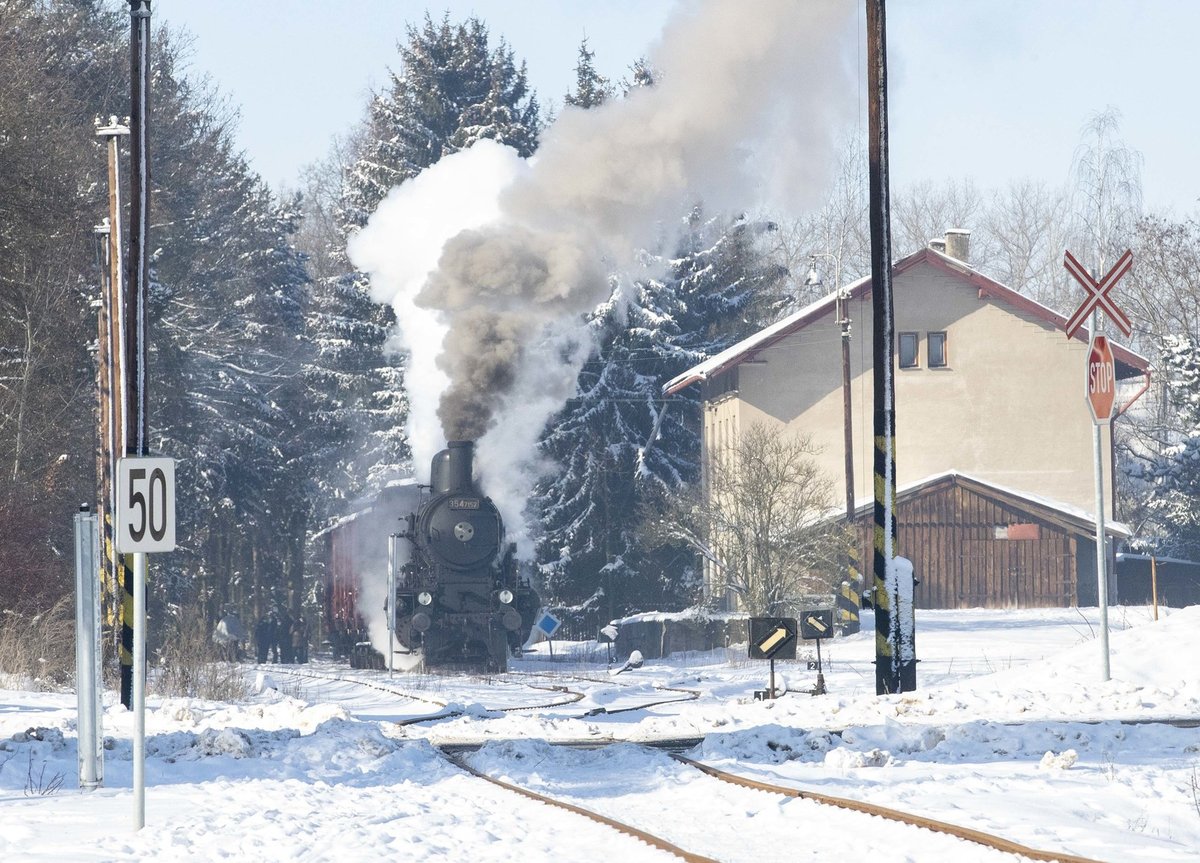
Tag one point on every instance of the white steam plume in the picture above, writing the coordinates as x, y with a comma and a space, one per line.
746, 94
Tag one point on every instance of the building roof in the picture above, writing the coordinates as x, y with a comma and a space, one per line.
1066, 516
406, 486
1128, 364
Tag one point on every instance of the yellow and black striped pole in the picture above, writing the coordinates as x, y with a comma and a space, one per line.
126, 648
887, 672
888, 641
849, 598
121, 592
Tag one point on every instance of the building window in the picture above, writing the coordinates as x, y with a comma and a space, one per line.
908, 350
937, 350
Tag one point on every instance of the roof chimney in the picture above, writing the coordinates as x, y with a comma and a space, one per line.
958, 244
938, 245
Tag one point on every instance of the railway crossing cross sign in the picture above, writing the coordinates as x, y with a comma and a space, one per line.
1097, 293
1101, 380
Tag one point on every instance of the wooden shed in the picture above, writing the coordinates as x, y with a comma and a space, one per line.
978, 545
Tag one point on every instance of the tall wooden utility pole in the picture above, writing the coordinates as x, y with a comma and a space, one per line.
895, 654
849, 596
114, 574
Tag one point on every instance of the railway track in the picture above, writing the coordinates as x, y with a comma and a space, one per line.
698, 852
558, 688
978, 837
558, 694
678, 694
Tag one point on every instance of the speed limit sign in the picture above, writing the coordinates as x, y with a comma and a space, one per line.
145, 504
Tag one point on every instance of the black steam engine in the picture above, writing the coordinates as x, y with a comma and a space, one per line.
459, 599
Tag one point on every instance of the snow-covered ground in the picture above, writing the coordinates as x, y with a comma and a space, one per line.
1011, 731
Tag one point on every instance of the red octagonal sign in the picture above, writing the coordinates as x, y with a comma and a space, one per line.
1101, 379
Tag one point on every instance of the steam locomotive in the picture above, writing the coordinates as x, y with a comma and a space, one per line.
459, 601
459, 597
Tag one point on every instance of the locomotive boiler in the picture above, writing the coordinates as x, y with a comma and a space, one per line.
459, 598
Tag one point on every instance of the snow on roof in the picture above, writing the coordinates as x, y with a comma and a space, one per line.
1078, 513
365, 507
764, 338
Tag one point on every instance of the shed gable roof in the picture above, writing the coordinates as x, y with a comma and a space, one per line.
1070, 518
1128, 363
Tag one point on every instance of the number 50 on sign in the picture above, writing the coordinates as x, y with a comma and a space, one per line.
145, 504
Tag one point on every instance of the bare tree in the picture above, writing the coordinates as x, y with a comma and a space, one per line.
1162, 291
924, 211
1106, 193
1106, 204
838, 232
323, 189
1026, 230
764, 521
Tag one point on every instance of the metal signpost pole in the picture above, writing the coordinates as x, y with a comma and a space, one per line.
820, 690
1101, 546
145, 522
391, 602
1154, 584
87, 652
136, 328
142, 490
1100, 386
139, 690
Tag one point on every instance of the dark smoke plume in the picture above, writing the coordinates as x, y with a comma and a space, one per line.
748, 101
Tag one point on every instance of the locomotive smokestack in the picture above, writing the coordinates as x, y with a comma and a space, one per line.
453, 466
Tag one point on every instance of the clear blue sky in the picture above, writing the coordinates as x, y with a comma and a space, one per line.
994, 90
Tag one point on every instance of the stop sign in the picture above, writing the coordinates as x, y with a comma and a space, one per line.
1101, 379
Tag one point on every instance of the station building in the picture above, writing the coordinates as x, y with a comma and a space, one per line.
994, 438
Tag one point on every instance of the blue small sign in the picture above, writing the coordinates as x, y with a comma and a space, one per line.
548, 624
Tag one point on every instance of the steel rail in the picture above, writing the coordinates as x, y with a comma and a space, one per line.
977, 836
691, 695
573, 696
629, 830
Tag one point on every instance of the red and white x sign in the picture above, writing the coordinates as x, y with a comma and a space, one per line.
1098, 293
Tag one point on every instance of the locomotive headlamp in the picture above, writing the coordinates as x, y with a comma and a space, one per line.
425, 597
505, 596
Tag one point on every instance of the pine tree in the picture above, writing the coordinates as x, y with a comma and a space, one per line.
451, 91
619, 446
229, 295
642, 74
591, 88
1174, 502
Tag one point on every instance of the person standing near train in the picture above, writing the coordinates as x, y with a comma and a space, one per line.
262, 638
229, 635
299, 636
285, 637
